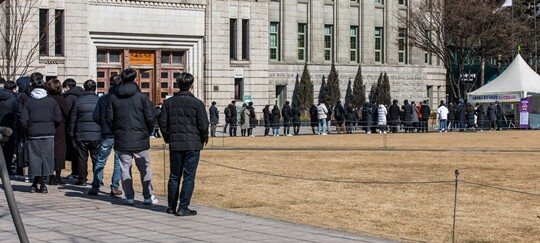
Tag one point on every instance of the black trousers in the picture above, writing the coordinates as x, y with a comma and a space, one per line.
84, 149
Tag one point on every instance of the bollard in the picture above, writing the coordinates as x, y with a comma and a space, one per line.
455, 208
8, 190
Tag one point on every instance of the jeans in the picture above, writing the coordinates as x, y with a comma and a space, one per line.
104, 151
442, 125
182, 164
322, 126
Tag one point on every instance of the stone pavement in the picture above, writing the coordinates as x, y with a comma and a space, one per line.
67, 214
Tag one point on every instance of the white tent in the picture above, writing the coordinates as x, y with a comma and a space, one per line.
516, 82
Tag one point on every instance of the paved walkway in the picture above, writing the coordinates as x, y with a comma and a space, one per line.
67, 214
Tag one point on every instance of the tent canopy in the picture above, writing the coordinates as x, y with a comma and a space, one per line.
516, 82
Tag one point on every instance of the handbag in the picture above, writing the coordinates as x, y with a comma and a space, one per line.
23, 154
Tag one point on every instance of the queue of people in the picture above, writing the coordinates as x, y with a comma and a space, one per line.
54, 122
410, 117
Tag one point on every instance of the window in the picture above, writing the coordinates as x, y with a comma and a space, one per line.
302, 42
59, 33
379, 1
232, 39
427, 55
354, 43
238, 88
274, 41
245, 39
109, 56
379, 44
43, 32
402, 2
172, 57
328, 42
402, 45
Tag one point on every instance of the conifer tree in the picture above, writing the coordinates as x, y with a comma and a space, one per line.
322, 91
379, 90
348, 93
372, 94
332, 93
385, 89
305, 90
359, 92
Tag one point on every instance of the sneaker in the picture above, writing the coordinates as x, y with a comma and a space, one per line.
130, 202
116, 192
151, 200
171, 210
186, 212
27, 179
289, 135
81, 182
72, 176
93, 192
324, 133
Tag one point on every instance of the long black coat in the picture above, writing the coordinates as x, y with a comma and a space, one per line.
82, 126
184, 122
287, 114
295, 115
276, 116
60, 134
267, 118
313, 115
131, 118
393, 114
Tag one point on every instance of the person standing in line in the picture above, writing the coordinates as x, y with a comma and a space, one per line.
287, 116
499, 114
322, 114
8, 102
367, 114
382, 112
155, 131
84, 130
107, 142
252, 119
492, 115
462, 115
415, 120
276, 116
214, 118
267, 120
54, 87
480, 113
451, 116
244, 120
407, 116
25, 88
350, 118
39, 119
184, 124
442, 113
339, 115
470, 116
313, 118
71, 93
296, 119
426, 111
130, 115
227, 112
393, 116
233, 119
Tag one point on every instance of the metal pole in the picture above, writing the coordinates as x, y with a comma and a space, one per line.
455, 208
535, 40
164, 171
8, 190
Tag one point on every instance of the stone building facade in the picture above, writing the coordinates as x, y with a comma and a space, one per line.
236, 49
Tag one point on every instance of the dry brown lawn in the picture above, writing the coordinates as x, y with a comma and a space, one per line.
340, 182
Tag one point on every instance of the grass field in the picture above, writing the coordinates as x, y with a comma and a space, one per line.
399, 186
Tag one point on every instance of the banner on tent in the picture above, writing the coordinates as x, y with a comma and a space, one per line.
494, 97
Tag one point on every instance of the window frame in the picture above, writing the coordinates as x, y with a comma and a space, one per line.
379, 40
353, 40
274, 46
328, 42
302, 38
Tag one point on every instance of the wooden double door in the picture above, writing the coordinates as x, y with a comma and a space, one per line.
157, 87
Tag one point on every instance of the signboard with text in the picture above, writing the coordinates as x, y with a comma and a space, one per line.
524, 106
491, 98
141, 57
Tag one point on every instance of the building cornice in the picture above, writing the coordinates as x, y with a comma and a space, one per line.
150, 4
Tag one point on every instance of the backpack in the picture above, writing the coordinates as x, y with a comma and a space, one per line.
227, 111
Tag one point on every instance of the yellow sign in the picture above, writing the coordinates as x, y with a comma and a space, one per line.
141, 57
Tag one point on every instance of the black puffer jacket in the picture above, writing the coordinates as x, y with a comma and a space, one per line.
72, 94
287, 114
7, 107
82, 126
131, 117
40, 115
184, 122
